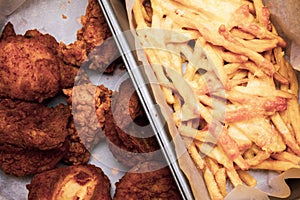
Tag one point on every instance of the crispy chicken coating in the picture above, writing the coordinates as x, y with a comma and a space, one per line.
74, 182
148, 180
30, 68
95, 28
100, 47
33, 125
23, 162
77, 153
126, 106
89, 105
129, 136
130, 146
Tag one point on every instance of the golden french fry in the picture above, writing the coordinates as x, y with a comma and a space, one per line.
285, 133
212, 165
275, 165
234, 177
247, 178
220, 177
212, 186
287, 156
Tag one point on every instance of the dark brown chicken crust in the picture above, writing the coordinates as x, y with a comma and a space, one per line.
53, 183
67, 71
89, 105
149, 180
8, 31
126, 106
33, 125
30, 66
24, 162
130, 146
95, 28
95, 33
28, 70
77, 153
129, 135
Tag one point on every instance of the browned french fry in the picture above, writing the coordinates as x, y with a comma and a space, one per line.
240, 34
229, 56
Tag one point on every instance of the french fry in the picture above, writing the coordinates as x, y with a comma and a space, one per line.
212, 186
275, 165
287, 156
220, 176
247, 178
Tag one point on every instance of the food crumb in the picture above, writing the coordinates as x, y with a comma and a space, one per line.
114, 171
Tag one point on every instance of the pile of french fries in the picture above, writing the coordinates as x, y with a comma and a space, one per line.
223, 71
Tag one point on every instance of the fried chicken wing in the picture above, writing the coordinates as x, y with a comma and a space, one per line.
33, 125
74, 182
148, 180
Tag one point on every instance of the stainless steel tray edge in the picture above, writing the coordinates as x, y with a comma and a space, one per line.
123, 39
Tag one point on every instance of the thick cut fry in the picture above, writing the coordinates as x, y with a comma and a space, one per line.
287, 156
247, 178
212, 186
220, 176
275, 165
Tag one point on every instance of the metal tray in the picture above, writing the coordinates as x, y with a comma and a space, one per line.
116, 15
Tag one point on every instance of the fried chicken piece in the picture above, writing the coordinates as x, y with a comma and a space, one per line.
95, 28
105, 57
23, 162
8, 31
33, 125
130, 146
89, 106
73, 182
129, 135
77, 153
127, 107
148, 180
98, 39
30, 68
74, 53
67, 70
